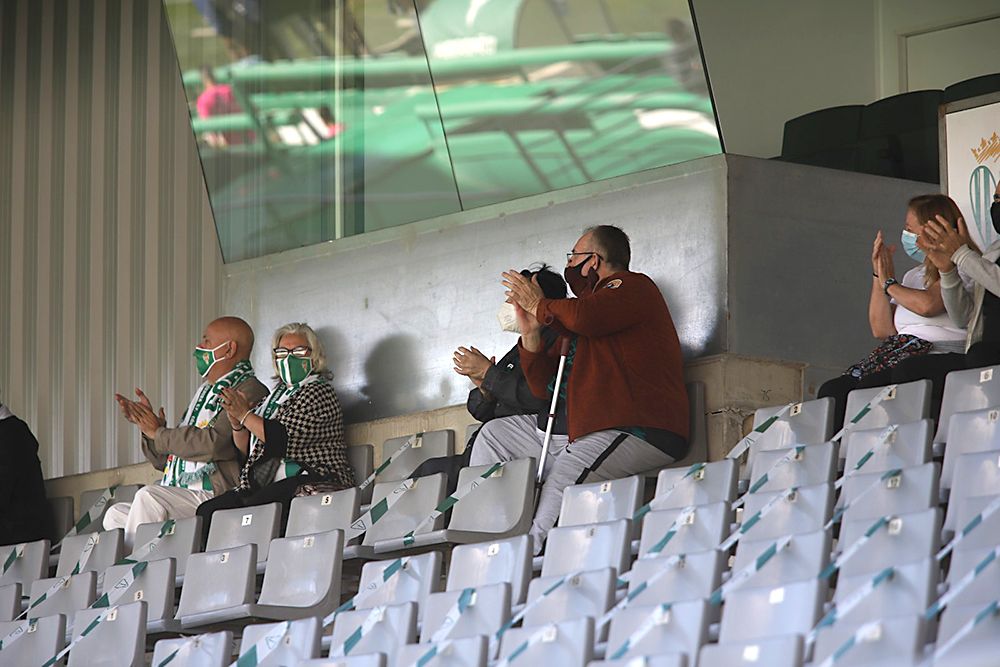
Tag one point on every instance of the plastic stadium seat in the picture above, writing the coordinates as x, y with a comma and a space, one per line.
752, 614
716, 482
123, 629
899, 136
323, 512
805, 556
896, 641
183, 540
394, 627
63, 516
807, 423
301, 642
907, 538
912, 490
216, 582
405, 515
420, 576
824, 138
658, 660
978, 648
703, 529
361, 458
697, 425
968, 433
984, 536
123, 494
471, 430
34, 648
805, 512
33, 564
684, 629
10, 602
600, 501
589, 593
909, 403
208, 650
986, 587
475, 565
910, 590
783, 651
695, 576
980, 85
964, 391
816, 464
155, 586
976, 475
908, 445
574, 548
365, 660
499, 507
427, 445
568, 644
109, 550
256, 525
489, 610
78, 593
465, 652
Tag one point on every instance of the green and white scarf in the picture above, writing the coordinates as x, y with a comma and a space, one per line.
203, 412
279, 395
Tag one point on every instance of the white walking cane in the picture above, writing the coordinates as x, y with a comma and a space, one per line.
563, 353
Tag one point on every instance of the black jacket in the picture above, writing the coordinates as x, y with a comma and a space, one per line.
508, 389
25, 515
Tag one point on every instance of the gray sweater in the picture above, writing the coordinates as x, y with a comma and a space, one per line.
966, 309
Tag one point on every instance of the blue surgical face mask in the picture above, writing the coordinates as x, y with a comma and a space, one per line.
909, 240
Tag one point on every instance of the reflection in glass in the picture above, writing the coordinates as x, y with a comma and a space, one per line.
319, 119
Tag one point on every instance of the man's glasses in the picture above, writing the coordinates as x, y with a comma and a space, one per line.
302, 351
571, 255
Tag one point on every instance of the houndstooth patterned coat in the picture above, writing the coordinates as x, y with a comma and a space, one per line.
314, 423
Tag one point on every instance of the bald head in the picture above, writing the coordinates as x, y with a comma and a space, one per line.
235, 329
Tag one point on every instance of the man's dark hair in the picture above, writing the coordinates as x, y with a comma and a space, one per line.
613, 243
552, 284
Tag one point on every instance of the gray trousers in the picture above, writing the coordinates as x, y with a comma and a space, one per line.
594, 457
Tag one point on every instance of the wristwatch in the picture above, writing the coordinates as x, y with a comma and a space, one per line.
889, 282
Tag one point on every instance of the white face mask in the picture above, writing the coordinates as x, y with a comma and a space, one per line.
508, 318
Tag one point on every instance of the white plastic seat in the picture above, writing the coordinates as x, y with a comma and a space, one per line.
896, 641
815, 464
910, 402
476, 565
499, 507
216, 582
118, 641
986, 587
781, 651
489, 610
301, 642
805, 556
360, 660
79, 592
684, 629
805, 512
63, 515
984, 535
714, 483
322, 512
420, 576
395, 626
912, 490
361, 458
109, 550
404, 516
907, 538
10, 602
704, 528
257, 525
155, 586
976, 475
972, 389
658, 660
600, 501
752, 614
123, 494
969, 432
567, 644
806, 423
979, 648
695, 576
183, 539
34, 648
464, 652
910, 590
589, 593
33, 564
909, 445
426, 445
208, 650
574, 548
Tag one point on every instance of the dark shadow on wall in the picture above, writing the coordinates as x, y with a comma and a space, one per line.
393, 381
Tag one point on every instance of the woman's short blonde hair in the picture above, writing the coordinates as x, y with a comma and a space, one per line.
318, 354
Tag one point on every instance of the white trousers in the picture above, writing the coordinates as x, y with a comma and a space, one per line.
154, 504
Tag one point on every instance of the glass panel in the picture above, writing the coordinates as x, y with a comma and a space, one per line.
544, 94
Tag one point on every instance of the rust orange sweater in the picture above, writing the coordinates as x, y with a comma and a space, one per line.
627, 370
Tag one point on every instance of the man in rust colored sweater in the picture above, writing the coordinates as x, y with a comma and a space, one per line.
622, 405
